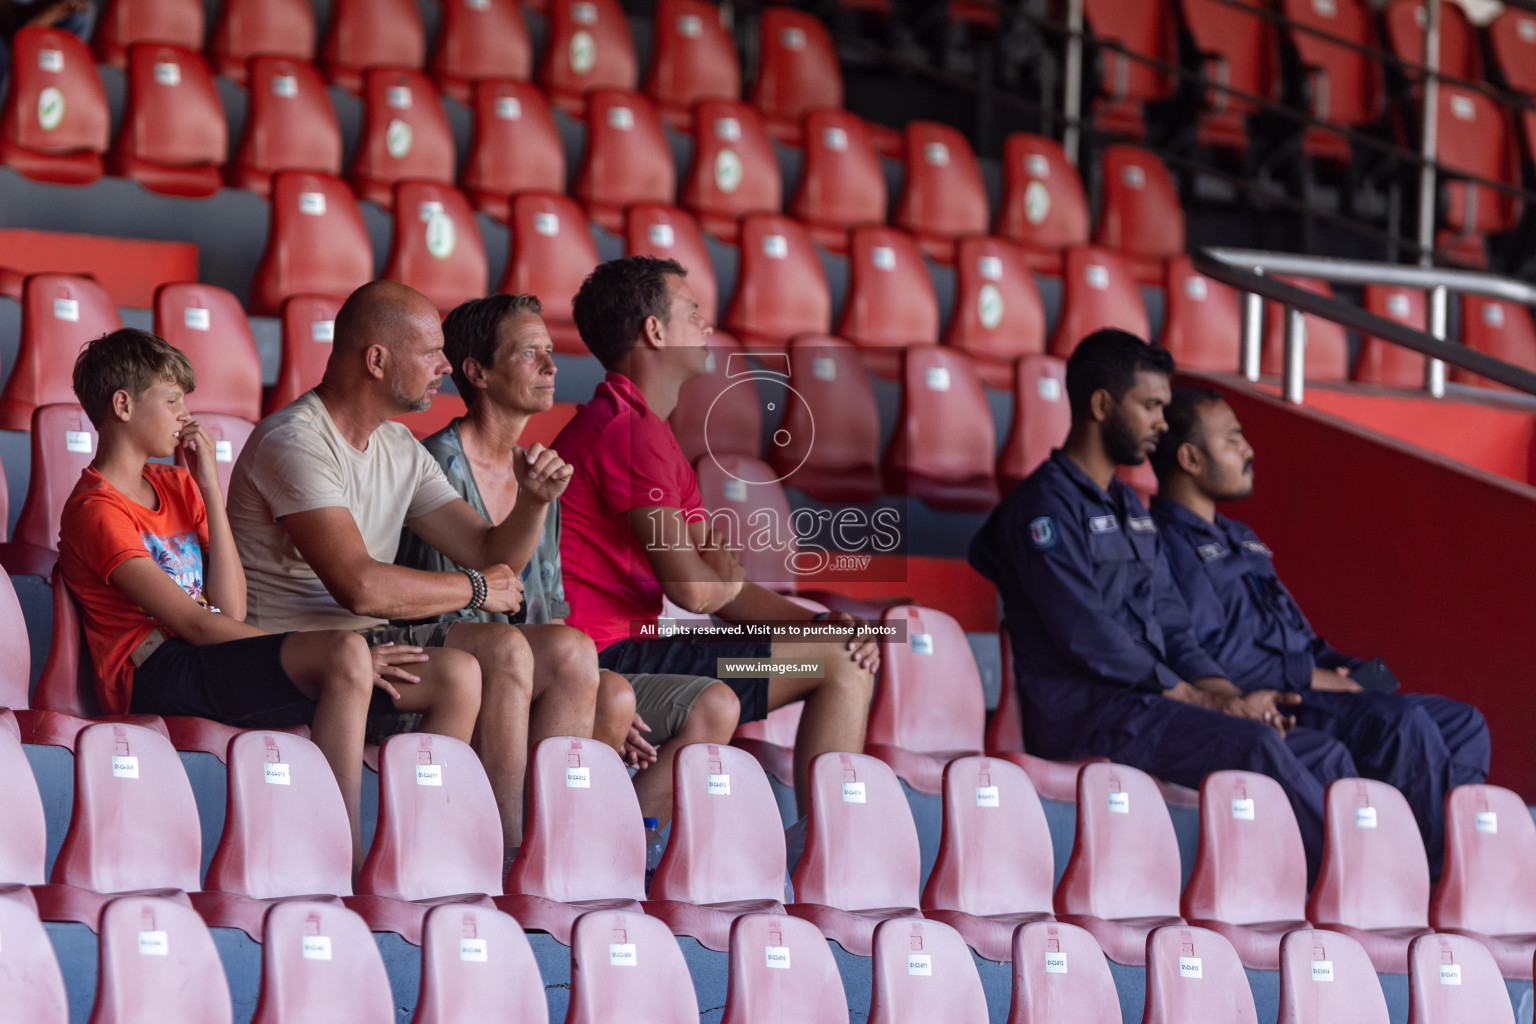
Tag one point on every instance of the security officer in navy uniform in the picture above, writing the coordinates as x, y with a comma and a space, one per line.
1246, 619
1107, 661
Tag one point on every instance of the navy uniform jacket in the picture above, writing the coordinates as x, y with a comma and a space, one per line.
1092, 610
1241, 611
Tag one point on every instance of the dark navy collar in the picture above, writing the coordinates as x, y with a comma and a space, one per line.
1184, 516
1116, 493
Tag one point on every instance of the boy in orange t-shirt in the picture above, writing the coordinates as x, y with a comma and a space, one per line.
147, 551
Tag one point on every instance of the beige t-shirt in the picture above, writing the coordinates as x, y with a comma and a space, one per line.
297, 461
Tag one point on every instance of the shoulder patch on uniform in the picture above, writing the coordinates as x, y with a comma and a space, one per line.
1258, 547
1103, 524
1141, 524
1043, 532
1211, 552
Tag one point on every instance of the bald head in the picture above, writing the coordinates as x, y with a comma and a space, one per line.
388, 354
380, 313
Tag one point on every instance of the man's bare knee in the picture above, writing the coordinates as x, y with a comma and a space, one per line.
615, 698
345, 667
506, 662
716, 712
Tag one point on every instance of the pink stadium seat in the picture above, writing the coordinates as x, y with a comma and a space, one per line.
515, 146
1237, 49
832, 451
667, 232
587, 47
782, 969
584, 849
157, 962
994, 867
942, 195
476, 965
480, 39
1097, 291
1044, 206
405, 134
249, 28
229, 435
31, 985
1195, 977
319, 963
1040, 421
1460, 54
771, 741
890, 302
1344, 83
24, 845
59, 314
1484, 890
746, 493
1374, 882
1326, 978
693, 58
1475, 136
702, 423
63, 443
943, 448
623, 960
124, 23
56, 122
1122, 880
781, 290
1060, 975
1452, 979
627, 160
861, 863
1380, 362
208, 325
289, 124
797, 70
1129, 84
436, 247
923, 972
316, 243
1247, 831
363, 34
309, 325
1202, 320
734, 171
998, 317
1492, 326
841, 182
1327, 355
725, 856
173, 137
1142, 219
552, 253
1512, 44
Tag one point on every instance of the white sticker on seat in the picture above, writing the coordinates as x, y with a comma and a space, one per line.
285, 86
429, 775
824, 368
1242, 808
883, 257
662, 236
1526, 29
1463, 108
50, 108
1397, 305
167, 73
312, 203
1055, 963
920, 965
1325, 8
316, 947
1049, 388
729, 171
922, 643
986, 796
154, 944
50, 60
936, 378
936, 154
509, 108
125, 766
621, 118
727, 128
793, 38
622, 954
1493, 315
276, 774
853, 792
473, 951
990, 268
1097, 276
1322, 970
223, 451
1487, 821
398, 97
578, 778
1120, 803
1037, 202
1194, 287
777, 957
776, 247
1450, 974
582, 52
1133, 176
77, 441
1189, 967
427, 208
735, 490
399, 136
196, 318
989, 306
690, 26
547, 224
66, 309
717, 785
1037, 166
584, 13
323, 330
835, 139
442, 236
1365, 817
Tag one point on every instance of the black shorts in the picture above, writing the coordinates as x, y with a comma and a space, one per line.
693, 658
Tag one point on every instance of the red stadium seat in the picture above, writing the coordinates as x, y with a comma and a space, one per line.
208, 325
1512, 44
944, 444
1122, 880
515, 146
1097, 291
725, 856
1060, 975
309, 326
1142, 219
1326, 978
229, 435
1327, 354
782, 969
1129, 84
1494, 327
1247, 831
628, 159
861, 864
703, 426
318, 962
1195, 977
781, 290
583, 849
1237, 49
1452, 979
741, 494
249, 28
56, 122
994, 867
587, 47
157, 961
124, 23
923, 972
1040, 419
998, 316
1460, 54
693, 58
891, 302
1381, 362
667, 232
480, 39
841, 181
476, 964
929, 707
797, 70
623, 960
364, 34
31, 985
734, 170
1475, 136
63, 443
1044, 206
1202, 319
832, 451
1484, 890
1343, 83
437, 247
429, 421
1374, 882
289, 125
405, 134
59, 314
24, 846
771, 741
942, 196
316, 243
552, 253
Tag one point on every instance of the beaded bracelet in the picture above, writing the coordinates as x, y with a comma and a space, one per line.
478, 589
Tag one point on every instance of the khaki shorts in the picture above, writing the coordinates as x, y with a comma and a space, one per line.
664, 701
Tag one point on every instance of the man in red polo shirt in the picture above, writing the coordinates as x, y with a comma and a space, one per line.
635, 530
